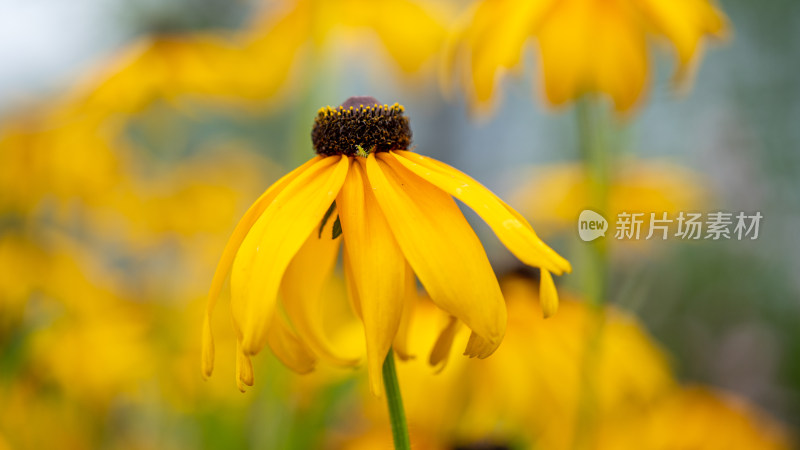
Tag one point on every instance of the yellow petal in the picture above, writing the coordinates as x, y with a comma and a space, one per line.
619, 66
377, 268
270, 51
593, 47
352, 293
441, 349
244, 369
479, 347
411, 47
272, 243
302, 291
548, 296
514, 231
400, 345
228, 254
499, 33
288, 348
441, 247
684, 23
564, 42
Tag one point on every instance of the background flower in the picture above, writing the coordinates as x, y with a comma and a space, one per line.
585, 46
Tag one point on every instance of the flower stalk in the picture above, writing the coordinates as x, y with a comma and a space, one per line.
598, 160
394, 401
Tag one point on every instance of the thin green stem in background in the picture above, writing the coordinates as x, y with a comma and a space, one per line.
395, 402
598, 161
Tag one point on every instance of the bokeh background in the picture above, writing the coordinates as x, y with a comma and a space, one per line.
134, 134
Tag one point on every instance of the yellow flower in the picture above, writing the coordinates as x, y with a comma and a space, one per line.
697, 418
410, 31
396, 218
585, 46
259, 61
530, 392
637, 187
530, 389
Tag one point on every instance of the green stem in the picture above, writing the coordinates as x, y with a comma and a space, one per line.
598, 162
395, 402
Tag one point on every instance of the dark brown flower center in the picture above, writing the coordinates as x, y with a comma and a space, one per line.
360, 126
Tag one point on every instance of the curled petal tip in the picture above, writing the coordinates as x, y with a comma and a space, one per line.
548, 295
208, 350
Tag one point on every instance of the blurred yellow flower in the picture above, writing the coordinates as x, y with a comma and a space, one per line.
411, 31
257, 63
585, 46
26, 410
697, 418
636, 187
22, 261
529, 394
396, 218
94, 344
530, 389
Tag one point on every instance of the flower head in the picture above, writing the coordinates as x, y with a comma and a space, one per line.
585, 46
394, 219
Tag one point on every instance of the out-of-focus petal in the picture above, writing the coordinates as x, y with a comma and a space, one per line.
548, 296
302, 291
288, 348
377, 268
411, 46
619, 67
444, 343
274, 240
500, 31
684, 23
441, 247
244, 369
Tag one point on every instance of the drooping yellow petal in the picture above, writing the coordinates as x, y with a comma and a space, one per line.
498, 35
548, 295
444, 343
302, 291
228, 254
478, 347
514, 231
288, 348
564, 40
352, 292
441, 247
377, 268
412, 46
619, 65
244, 369
684, 23
400, 345
272, 243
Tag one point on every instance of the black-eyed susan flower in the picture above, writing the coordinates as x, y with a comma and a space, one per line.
585, 46
392, 212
